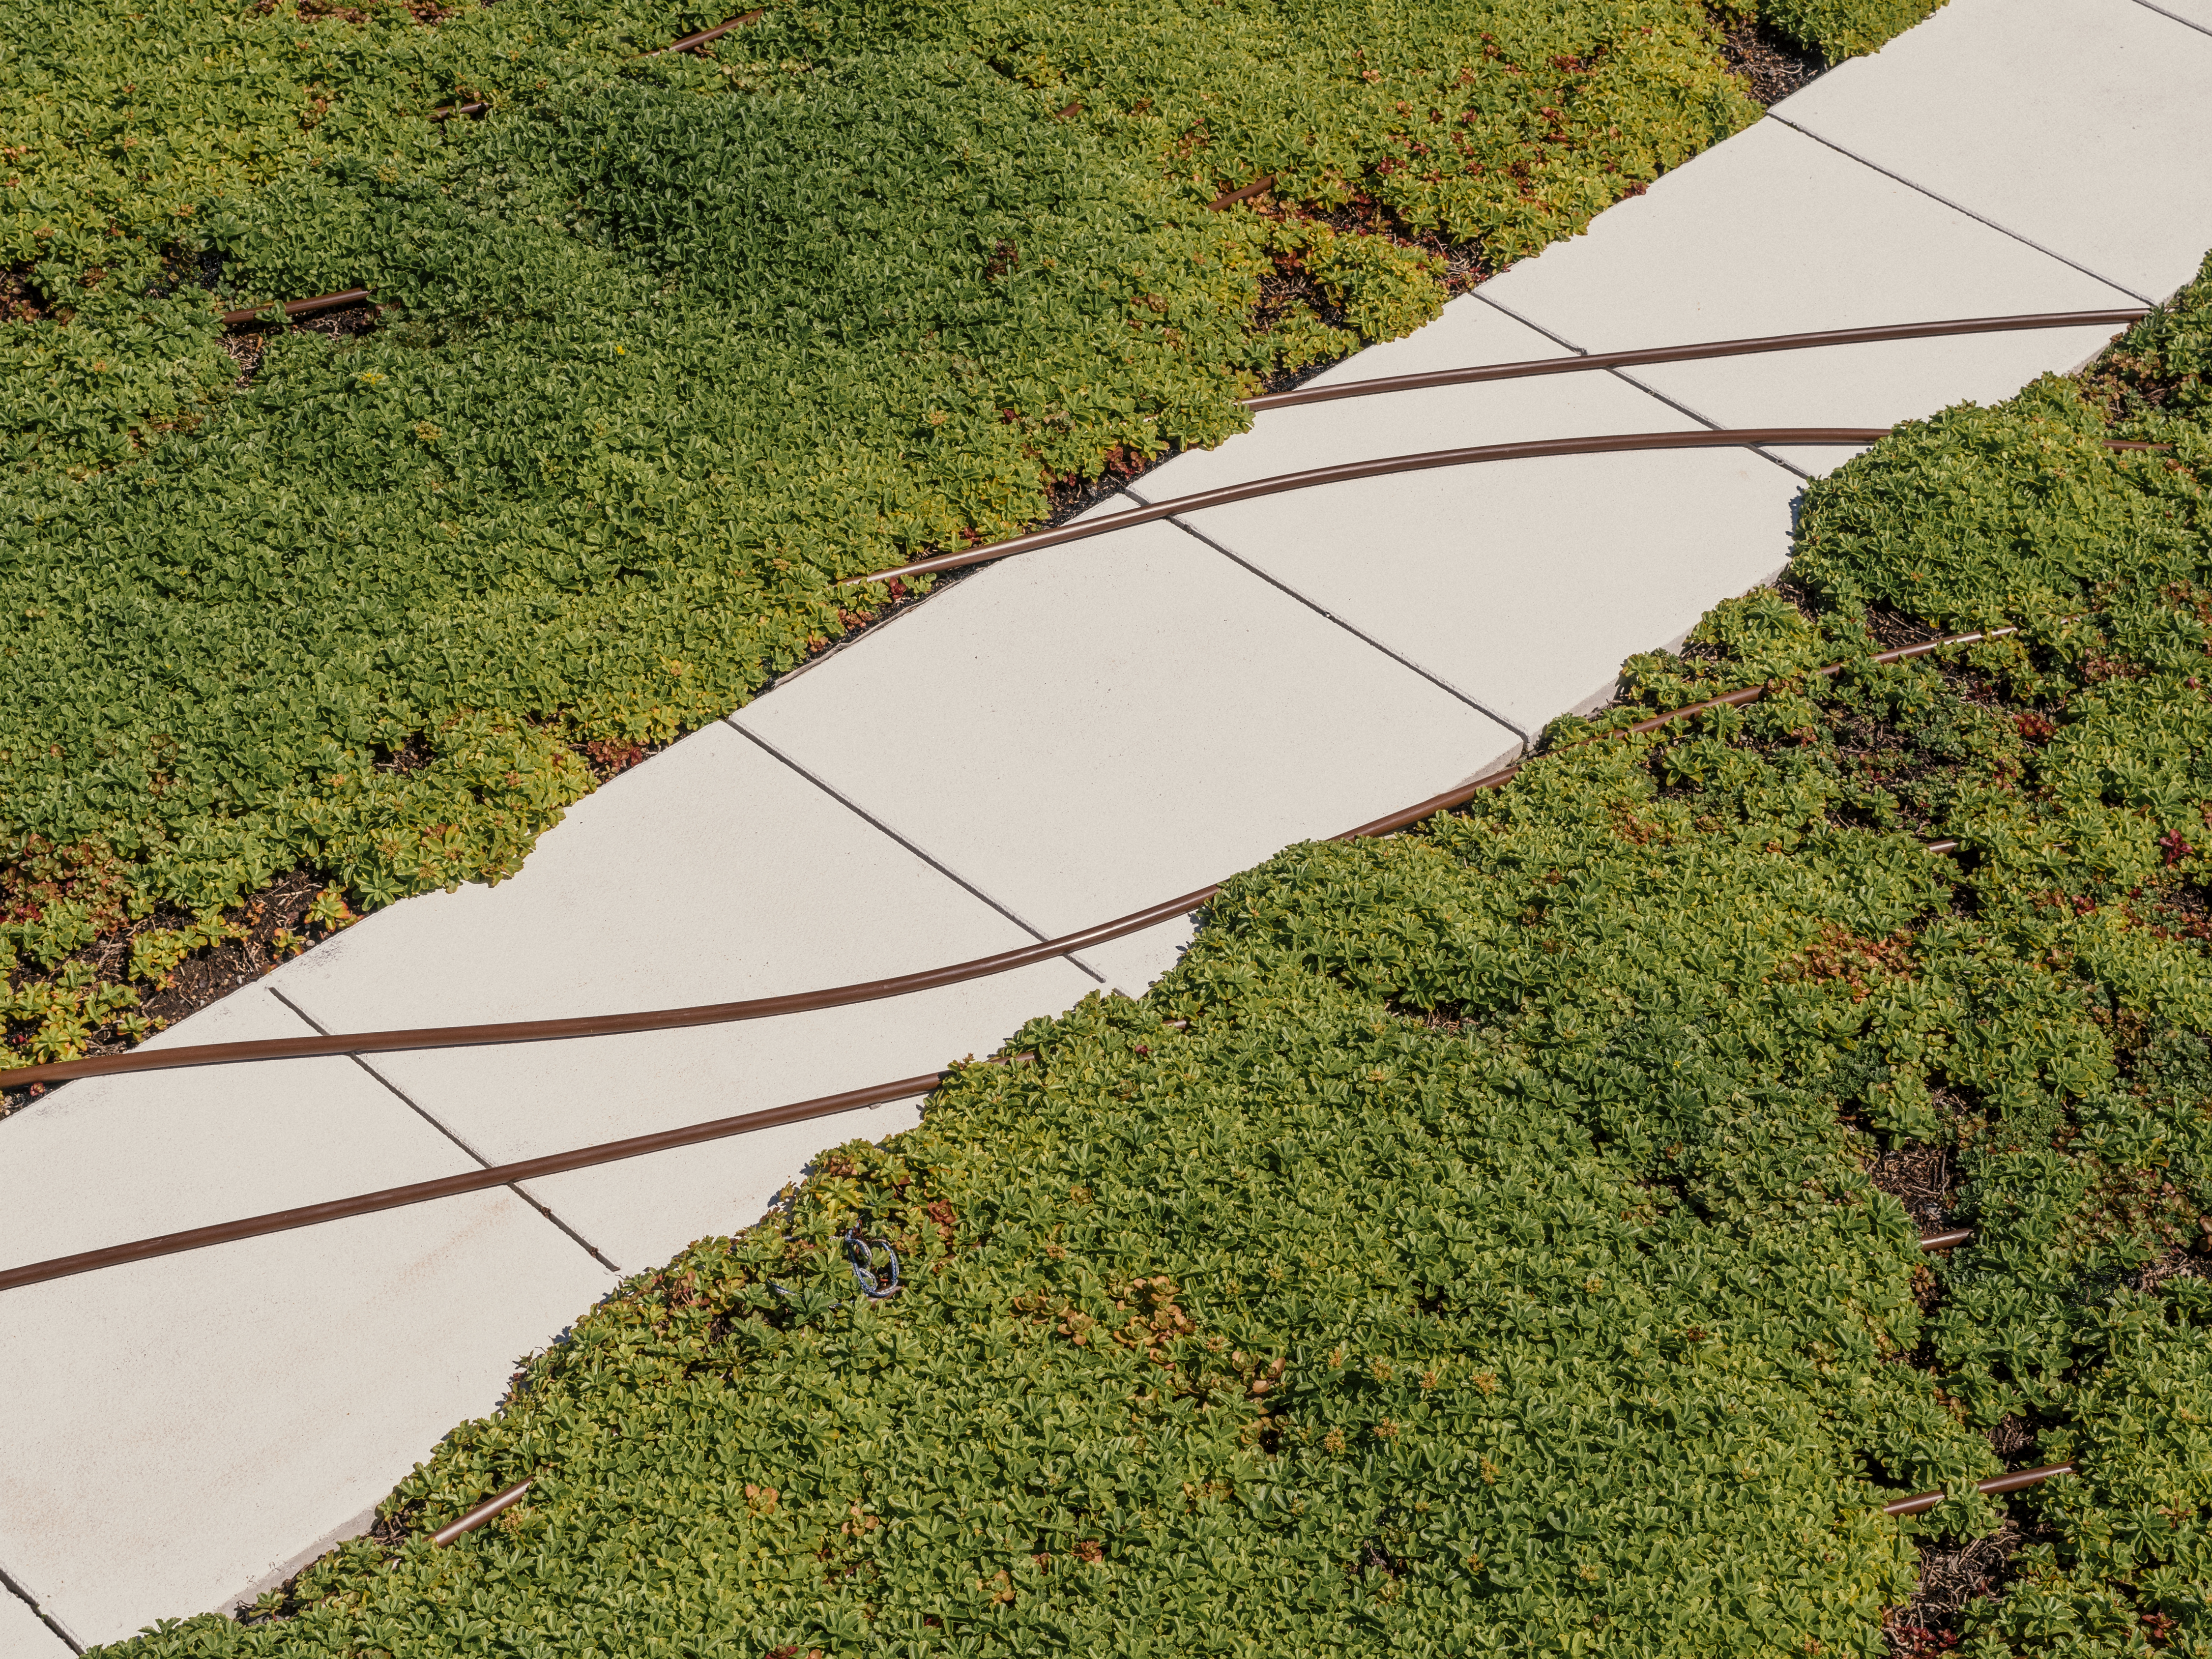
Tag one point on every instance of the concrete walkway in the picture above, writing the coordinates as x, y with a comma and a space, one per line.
1062, 738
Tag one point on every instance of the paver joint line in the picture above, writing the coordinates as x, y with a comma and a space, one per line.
2174, 17
9, 1585
1363, 637
446, 1130
878, 824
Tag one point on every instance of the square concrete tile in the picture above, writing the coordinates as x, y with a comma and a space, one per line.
712, 872
1526, 583
2082, 125
178, 1428
1774, 232
23, 1634
1122, 721
1522, 584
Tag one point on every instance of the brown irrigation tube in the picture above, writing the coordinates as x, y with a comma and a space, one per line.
589, 1026
705, 35
1264, 182
513, 1494
482, 1512
1390, 465
1382, 466
352, 296
1681, 353
725, 1013
2003, 1483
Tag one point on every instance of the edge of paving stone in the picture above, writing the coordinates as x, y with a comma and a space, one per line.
229, 1604
11, 1586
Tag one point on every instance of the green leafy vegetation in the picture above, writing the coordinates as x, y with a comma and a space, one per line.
1481, 1242
670, 344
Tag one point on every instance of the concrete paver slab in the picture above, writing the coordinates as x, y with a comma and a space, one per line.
2082, 125
1774, 233
1522, 584
711, 872
180, 1428
1119, 720
1526, 583
24, 1635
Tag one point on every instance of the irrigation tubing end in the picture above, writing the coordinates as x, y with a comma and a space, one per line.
704, 35
482, 1512
1259, 186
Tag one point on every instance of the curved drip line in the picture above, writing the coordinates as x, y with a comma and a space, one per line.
352, 296
1381, 466
724, 1013
1682, 354
470, 1181
1391, 466
504, 1174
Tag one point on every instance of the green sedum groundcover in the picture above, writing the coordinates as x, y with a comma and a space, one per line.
1491, 1265
671, 344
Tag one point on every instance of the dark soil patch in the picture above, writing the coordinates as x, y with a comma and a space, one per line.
1921, 1179
247, 343
280, 909
2175, 1264
275, 928
1771, 64
1895, 630
1952, 1575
